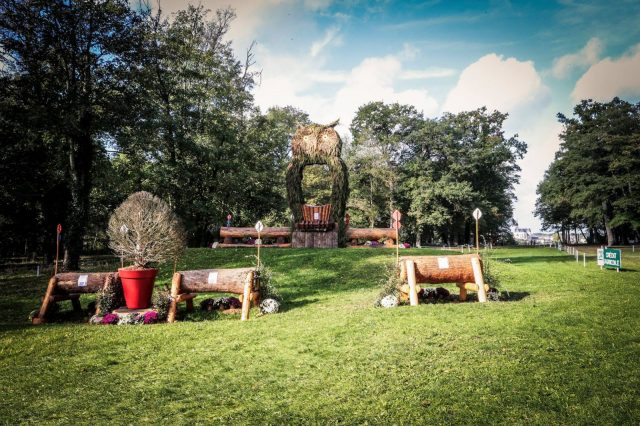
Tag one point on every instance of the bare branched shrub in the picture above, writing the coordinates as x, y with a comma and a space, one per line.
144, 229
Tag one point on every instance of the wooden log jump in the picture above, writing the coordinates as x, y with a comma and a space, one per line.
241, 281
464, 270
372, 234
69, 286
280, 233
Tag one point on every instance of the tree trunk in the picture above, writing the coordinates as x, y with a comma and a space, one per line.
607, 219
80, 166
467, 232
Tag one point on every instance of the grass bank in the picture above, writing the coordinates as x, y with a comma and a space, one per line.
563, 350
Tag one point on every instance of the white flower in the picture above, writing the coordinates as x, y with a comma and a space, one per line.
269, 306
124, 319
96, 319
389, 301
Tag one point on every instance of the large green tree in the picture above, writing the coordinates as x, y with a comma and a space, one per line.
190, 136
435, 170
67, 60
380, 135
593, 182
455, 164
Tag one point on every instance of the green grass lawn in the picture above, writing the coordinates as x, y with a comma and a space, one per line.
564, 350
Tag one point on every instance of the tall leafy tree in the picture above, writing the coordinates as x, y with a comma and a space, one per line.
380, 132
67, 59
191, 133
596, 171
457, 163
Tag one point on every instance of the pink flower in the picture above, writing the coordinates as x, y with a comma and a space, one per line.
110, 319
150, 317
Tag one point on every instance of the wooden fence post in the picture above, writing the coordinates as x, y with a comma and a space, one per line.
411, 277
175, 291
53, 281
246, 296
477, 273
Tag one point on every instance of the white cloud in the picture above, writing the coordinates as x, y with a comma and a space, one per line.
251, 15
315, 5
541, 134
427, 73
293, 80
610, 77
373, 80
497, 83
409, 52
328, 76
514, 87
331, 36
588, 55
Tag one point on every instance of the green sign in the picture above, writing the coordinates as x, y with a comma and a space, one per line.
612, 258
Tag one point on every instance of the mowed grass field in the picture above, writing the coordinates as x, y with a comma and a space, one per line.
564, 350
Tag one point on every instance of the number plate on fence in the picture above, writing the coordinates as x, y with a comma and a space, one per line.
82, 280
443, 263
212, 278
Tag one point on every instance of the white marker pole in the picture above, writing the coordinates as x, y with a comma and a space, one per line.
477, 214
584, 259
259, 228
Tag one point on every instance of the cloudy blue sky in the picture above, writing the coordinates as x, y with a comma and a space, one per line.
530, 59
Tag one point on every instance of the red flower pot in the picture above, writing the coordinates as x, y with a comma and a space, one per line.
137, 286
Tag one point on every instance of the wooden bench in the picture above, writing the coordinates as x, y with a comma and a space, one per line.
241, 281
464, 270
69, 286
316, 218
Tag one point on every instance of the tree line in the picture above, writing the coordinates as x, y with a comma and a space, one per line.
592, 188
99, 99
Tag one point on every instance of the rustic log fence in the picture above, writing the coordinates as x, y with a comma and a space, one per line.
463, 270
69, 286
185, 285
280, 234
372, 234
283, 236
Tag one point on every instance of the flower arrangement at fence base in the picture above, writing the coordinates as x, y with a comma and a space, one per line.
149, 317
390, 282
389, 301
269, 306
109, 319
432, 295
110, 297
220, 304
